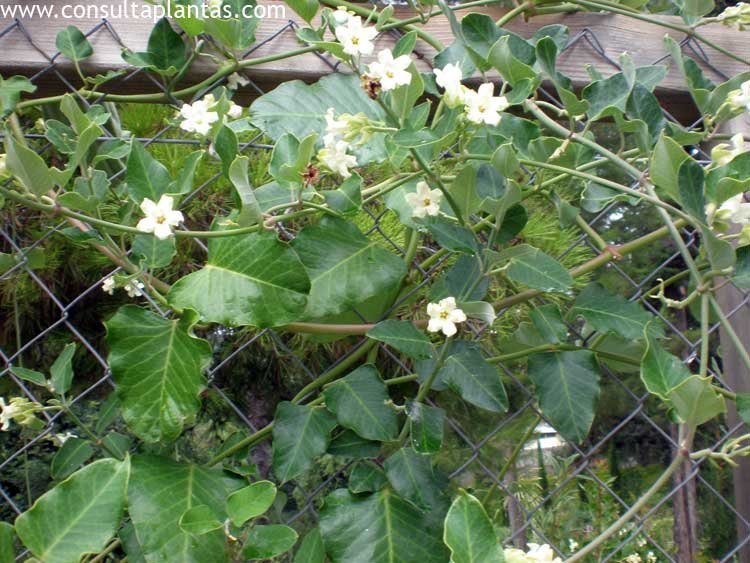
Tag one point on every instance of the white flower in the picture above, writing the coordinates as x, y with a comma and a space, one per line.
197, 117
572, 545
235, 111
235, 81
514, 555
424, 201
740, 99
449, 77
444, 315
19, 409
3, 169
483, 107
723, 153
160, 217
334, 157
335, 127
390, 72
342, 15
542, 554
356, 38
650, 557
214, 8
108, 285
134, 289
641, 541
737, 16
7, 412
735, 210
633, 558
60, 439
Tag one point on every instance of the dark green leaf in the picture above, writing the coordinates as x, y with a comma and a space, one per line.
359, 403
377, 528
165, 47
469, 375
426, 427
311, 549
184, 182
227, 147
152, 252
741, 276
607, 312
157, 365
404, 337
690, 182
661, 371
11, 90
78, 516
469, 533
199, 520
533, 268
513, 71
347, 199
70, 457
453, 237
250, 502
300, 434
7, 552
461, 281
549, 323
567, 387
249, 280
339, 260
413, 478
666, 160
28, 167
349, 444
61, 371
250, 213
146, 177
490, 183
366, 477
265, 542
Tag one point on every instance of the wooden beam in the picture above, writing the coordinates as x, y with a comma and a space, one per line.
614, 33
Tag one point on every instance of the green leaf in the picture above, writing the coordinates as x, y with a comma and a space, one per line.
366, 477
61, 371
425, 427
227, 147
30, 375
199, 520
7, 552
377, 528
453, 237
146, 177
305, 8
157, 365
70, 457
743, 407
349, 444
461, 281
533, 268
661, 371
236, 32
73, 44
186, 176
298, 108
339, 260
10, 92
300, 433
490, 183
740, 277
311, 549
666, 161
469, 533
359, 403
249, 280
501, 57
404, 97
28, 167
469, 375
480, 310
265, 542
549, 323
78, 516
567, 387
165, 51
607, 312
160, 492
690, 182
250, 213
152, 252
404, 337
413, 478
720, 252
696, 401
505, 160
692, 10
347, 199
250, 501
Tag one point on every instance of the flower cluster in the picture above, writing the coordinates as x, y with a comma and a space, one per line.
481, 105
160, 218
722, 154
536, 554
133, 288
444, 315
339, 133
199, 116
20, 410
424, 201
737, 16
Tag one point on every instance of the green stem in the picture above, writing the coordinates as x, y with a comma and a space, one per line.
93, 437
515, 12
705, 302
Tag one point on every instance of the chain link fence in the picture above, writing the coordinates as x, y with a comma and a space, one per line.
532, 498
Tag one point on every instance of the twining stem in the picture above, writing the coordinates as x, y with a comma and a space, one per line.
560, 347
515, 12
86, 430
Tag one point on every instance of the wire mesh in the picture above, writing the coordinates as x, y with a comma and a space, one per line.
477, 443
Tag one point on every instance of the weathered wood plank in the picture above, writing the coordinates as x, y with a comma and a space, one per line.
615, 33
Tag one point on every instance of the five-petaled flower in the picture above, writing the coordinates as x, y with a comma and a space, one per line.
198, 117
390, 72
235, 111
108, 285
740, 99
424, 201
482, 106
449, 78
444, 315
356, 38
334, 157
160, 218
134, 289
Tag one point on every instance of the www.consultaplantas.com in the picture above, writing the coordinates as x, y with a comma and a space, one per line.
462, 170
